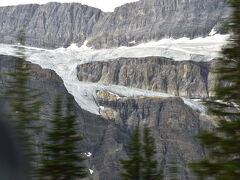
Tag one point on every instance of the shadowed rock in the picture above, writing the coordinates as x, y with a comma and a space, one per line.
173, 124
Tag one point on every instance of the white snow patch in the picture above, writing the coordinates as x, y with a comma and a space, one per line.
196, 105
116, 95
213, 32
91, 171
88, 154
132, 42
101, 107
84, 46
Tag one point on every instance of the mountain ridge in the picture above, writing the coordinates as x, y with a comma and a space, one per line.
54, 25
174, 121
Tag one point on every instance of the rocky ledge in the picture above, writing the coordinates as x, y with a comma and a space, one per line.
181, 78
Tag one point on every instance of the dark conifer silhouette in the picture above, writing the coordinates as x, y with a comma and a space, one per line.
141, 163
150, 171
25, 104
132, 166
223, 161
62, 159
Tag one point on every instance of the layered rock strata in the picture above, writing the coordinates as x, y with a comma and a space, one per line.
181, 78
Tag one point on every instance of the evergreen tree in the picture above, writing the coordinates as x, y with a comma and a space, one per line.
132, 166
223, 161
149, 171
61, 156
24, 102
140, 164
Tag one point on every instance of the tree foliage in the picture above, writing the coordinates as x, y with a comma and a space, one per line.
141, 163
132, 166
62, 159
223, 143
25, 103
149, 171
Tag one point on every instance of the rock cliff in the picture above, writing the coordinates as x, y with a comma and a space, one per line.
51, 25
181, 78
173, 123
55, 25
148, 20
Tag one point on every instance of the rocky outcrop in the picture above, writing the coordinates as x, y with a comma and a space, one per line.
55, 25
51, 25
173, 124
181, 78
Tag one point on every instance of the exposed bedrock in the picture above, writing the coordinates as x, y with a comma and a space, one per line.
55, 25
173, 124
181, 78
151, 20
51, 25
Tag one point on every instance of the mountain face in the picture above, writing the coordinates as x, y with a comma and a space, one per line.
173, 123
148, 20
52, 25
98, 76
55, 25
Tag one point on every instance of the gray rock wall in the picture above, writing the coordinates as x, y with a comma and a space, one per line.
148, 20
51, 25
55, 25
180, 78
173, 124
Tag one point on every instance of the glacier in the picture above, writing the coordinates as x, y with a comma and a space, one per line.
65, 60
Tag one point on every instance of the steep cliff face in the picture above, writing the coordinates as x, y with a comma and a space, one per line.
51, 25
91, 126
147, 20
181, 78
55, 25
174, 124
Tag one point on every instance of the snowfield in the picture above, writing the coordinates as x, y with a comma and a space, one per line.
65, 60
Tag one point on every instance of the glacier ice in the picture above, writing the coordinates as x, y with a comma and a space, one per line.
65, 60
